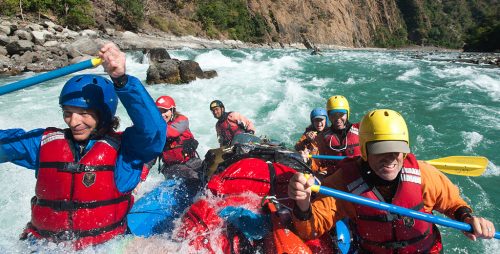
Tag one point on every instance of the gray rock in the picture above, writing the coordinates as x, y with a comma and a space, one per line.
34, 27
157, 55
23, 35
83, 46
51, 44
190, 70
166, 72
3, 51
210, 74
110, 31
39, 37
89, 33
4, 40
19, 47
48, 24
27, 58
5, 30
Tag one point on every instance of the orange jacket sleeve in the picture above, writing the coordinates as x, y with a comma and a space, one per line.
439, 193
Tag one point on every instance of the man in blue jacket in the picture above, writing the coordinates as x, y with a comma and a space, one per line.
86, 172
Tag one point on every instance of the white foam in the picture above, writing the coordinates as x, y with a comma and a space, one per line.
471, 140
409, 74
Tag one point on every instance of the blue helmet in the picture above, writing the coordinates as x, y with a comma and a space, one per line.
91, 92
318, 113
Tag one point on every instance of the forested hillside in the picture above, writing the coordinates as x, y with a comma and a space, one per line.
470, 24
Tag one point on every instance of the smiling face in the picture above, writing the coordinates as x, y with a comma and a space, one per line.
386, 165
319, 124
166, 114
82, 122
217, 112
338, 120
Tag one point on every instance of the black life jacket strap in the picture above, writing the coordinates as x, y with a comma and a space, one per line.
66, 205
400, 244
74, 167
68, 235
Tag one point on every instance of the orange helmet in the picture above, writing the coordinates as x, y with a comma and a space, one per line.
165, 102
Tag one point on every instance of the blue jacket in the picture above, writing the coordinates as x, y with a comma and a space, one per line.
141, 142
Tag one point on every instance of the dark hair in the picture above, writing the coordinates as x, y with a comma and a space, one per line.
115, 123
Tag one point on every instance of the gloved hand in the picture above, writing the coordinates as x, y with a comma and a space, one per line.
189, 147
253, 226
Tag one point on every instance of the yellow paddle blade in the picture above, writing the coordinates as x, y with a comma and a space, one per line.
461, 165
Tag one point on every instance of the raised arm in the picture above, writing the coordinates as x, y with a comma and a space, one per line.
143, 141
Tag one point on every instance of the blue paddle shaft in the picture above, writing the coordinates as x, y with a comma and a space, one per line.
328, 157
397, 209
46, 76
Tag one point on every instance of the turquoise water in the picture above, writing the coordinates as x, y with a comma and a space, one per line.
450, 108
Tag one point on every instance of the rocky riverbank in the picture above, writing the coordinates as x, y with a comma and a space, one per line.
44, 46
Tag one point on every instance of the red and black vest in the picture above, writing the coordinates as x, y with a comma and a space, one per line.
78, 200
349, 146
383, 232
172, 152
226, 130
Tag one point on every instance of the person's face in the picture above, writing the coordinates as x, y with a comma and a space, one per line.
338, 120
82, 122
386, 165
217, 112
166, 114
319, 124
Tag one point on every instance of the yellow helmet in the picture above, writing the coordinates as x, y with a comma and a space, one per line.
338, 103
383, 125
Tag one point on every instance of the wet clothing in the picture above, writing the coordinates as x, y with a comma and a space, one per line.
230, 124
178, 132
70, 195
338, 143
138, 144
436, 193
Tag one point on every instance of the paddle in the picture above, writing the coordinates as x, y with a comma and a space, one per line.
455, 165
49, 75
394, 209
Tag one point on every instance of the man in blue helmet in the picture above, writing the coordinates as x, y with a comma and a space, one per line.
86, 172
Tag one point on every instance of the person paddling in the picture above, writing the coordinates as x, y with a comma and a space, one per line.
307, 141
385, 171
229, 123
86, 172
340, 139
179, 155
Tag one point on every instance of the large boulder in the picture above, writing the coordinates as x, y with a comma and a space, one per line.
165, 72
83, 46
19, 47
190, 70
157, 55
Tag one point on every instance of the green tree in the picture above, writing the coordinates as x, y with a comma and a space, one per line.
130, 13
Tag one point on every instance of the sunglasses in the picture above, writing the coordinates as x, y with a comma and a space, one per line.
163, 111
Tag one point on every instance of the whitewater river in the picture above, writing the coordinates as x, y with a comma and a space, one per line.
450, 109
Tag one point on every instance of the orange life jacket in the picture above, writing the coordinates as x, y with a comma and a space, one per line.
383, 232
78, 200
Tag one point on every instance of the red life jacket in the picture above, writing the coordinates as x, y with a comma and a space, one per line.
226, 130
172, 153
382, 232
78, 200
347, 147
